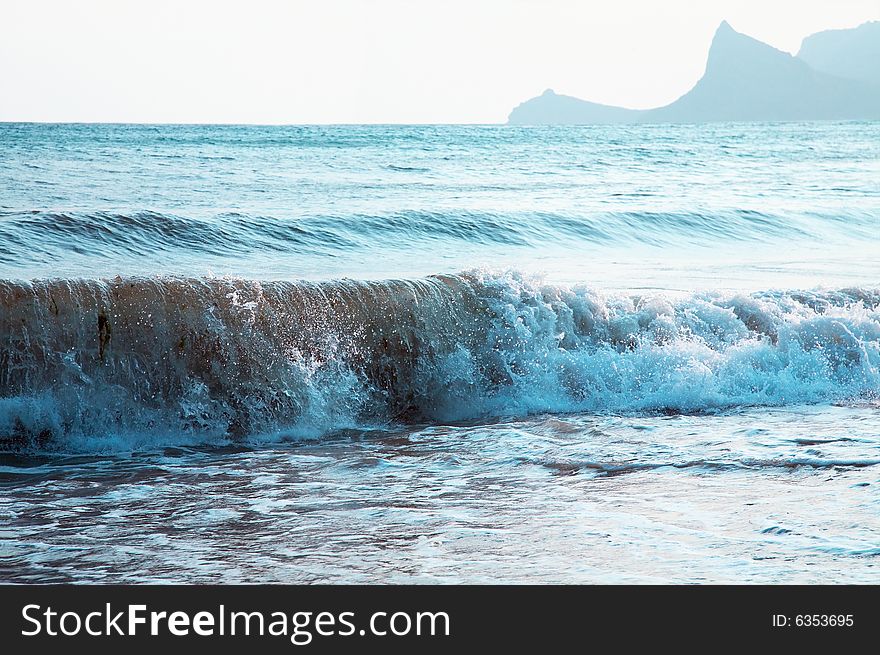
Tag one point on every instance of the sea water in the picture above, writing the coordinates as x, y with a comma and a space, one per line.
440, 353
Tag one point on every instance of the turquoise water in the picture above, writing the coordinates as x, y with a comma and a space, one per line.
374, 202
440, 353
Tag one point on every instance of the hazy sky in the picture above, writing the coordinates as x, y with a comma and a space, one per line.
368, 61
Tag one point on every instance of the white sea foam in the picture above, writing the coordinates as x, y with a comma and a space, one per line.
182, 360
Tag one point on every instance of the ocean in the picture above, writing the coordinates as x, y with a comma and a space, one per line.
385, 354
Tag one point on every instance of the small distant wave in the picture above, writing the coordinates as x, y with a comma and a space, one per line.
89, 237
86, 364
408, 169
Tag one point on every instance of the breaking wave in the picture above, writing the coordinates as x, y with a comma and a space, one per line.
92, 364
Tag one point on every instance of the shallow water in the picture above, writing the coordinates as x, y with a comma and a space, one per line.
782, 495
677, 381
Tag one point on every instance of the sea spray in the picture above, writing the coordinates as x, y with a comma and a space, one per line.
178, 360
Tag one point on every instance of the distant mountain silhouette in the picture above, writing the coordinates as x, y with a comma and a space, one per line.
745, 80
552, 108
853, 54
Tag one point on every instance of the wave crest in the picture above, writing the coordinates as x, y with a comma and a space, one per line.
96, 240
168, 360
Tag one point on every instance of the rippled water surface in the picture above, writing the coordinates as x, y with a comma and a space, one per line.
750, 496
606, 205
440, 354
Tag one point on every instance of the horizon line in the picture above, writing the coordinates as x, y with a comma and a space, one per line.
379, 124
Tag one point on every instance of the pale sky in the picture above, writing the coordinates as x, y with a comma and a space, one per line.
368, 61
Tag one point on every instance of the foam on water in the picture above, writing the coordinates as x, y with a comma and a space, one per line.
689, 394
92, 363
